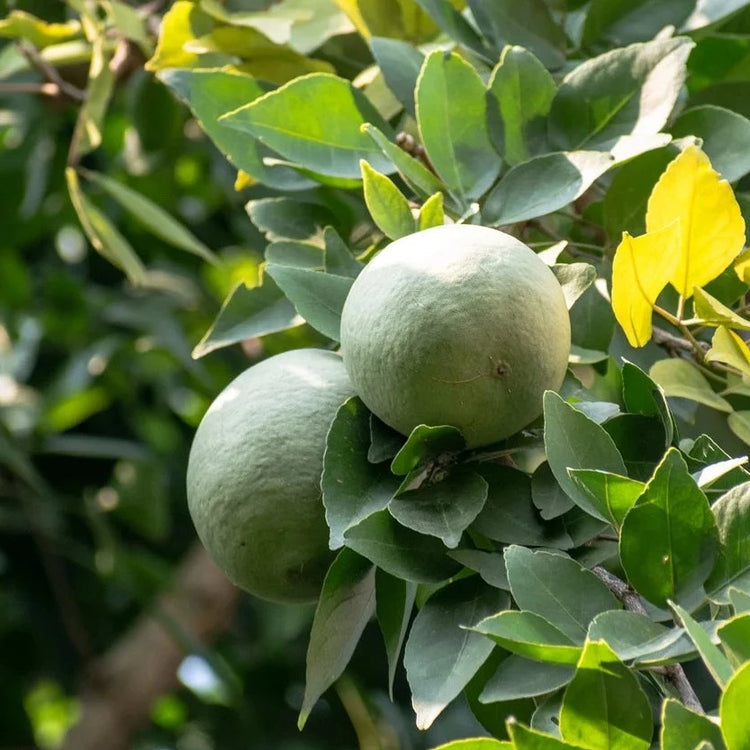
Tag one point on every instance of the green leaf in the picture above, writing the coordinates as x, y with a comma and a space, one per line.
611, 495
99, 88
427, 443
314, 121
520, 94
509, 515
630, 635
681, 728
709, 310
558, 589
575, 279
527, 24
740, 600
416, 175
152, 216
288, 218
529, 635
677, 377
455, 25
732, 568
431, 213
489, 565
604, 706
295, 254
735, 638
735, 721
725, 135
400, 63
517, 677
318, 297
385, 442
620, 22
547, 495
739, 423
444, 509
353, 487
544, 184
347, 602
212, 93
452, 118
476, 743
249, 313
640, 440
338, 258
400, 551
532, 739
643, 396
441, 653
258, 55
387, 205
668, 540
716, 663
573, 441
102, 234
394, 603
612, 95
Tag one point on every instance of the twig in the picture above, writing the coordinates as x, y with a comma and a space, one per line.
49, 72
45, 89
631, 600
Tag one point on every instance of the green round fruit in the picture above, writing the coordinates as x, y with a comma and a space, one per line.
253, 479
459, 325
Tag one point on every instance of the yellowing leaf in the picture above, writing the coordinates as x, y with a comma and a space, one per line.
244, 180
708, 309
742, 266
642, 267
713, 230
729, 348
183, 22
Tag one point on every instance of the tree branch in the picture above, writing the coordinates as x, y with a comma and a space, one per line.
631, 600
124, 682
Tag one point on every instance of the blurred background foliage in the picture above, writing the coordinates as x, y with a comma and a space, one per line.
99, 394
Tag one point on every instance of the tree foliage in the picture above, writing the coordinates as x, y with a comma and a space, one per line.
583, 584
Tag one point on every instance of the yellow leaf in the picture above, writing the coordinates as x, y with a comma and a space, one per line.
728, 347
713, 229
742, 266
244, 180
641, 268
183, 22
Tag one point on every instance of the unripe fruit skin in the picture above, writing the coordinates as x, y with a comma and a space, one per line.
460, 325
253, 476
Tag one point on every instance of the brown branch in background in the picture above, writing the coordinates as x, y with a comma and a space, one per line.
142, 665
631, 600
49, 72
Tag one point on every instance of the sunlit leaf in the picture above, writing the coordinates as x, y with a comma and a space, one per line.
386, 203
728, 347
641, 268
680, 378
604, 705
709, 310
712, 228
452, 115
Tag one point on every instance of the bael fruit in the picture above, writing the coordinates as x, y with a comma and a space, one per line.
459, 325
253, 479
